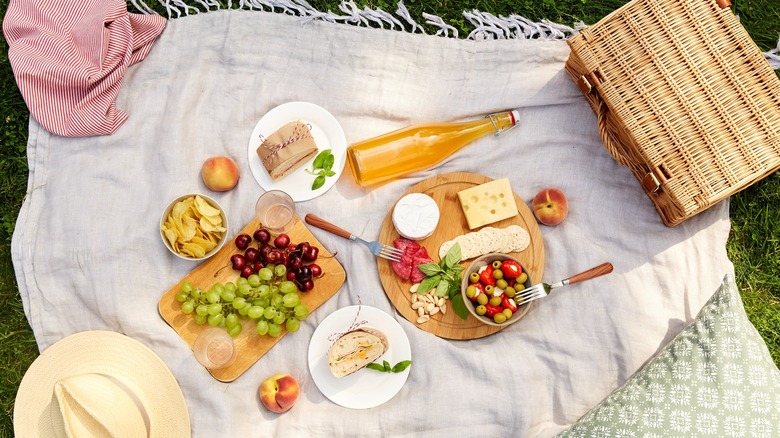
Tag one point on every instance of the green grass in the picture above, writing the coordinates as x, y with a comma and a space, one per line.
754, 245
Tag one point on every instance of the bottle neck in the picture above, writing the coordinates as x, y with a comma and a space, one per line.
504, 121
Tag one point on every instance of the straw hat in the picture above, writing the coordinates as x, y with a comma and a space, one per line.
99, 383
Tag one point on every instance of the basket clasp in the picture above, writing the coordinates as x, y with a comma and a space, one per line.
650, 183
588, 81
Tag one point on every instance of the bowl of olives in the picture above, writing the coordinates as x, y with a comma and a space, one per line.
489, 286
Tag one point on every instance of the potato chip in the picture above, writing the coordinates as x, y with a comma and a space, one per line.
208, 226
193, 227
193, 249
204, 208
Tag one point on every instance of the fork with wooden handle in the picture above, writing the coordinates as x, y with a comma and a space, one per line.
378, 249
543, 289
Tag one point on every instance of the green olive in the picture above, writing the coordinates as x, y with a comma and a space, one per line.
508, 313
522, 278
481, 310
501, 283
497, 274
489, 289
499, 318
482, 299
510, 291
474, 277
495, 301
496, 264
471, 291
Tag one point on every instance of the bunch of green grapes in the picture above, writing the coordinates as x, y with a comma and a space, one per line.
266, 297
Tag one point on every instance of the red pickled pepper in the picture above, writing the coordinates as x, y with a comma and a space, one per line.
486, 276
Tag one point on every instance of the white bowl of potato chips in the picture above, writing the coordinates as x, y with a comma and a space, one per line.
193, 227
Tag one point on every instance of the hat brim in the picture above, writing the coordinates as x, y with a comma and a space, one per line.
108, 353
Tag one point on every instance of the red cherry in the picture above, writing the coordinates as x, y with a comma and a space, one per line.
316, 270
311, 254
252, 255
303, 247
265, 249
258, 266
247, 271
294, 262
238, 261
282, 241
308, 285
291, 275
273, 257
243, 240
262, 235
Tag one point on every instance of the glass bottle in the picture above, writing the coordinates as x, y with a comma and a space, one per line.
418, 147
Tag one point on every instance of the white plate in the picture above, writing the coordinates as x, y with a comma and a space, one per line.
327, 133
366, 388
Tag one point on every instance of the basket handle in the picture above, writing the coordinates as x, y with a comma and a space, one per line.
606, 134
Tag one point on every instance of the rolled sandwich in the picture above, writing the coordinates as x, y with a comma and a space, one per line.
286, 149
356, 349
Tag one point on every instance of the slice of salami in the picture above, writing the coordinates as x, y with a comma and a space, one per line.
403, 270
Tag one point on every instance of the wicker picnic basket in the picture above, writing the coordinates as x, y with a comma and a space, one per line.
683, 97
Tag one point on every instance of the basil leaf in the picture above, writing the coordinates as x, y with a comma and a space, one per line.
460, 307
326, 173
401, 366
457, 269
318, 182
319, 159
428, 283
454, 287
453, 256
376, 366
328, 161
442, 288
386, 366
429, 269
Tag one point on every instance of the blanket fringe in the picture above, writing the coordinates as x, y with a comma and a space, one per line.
486, 26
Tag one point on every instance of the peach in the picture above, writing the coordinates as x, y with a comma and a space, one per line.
220, 174
550, 206
279, 392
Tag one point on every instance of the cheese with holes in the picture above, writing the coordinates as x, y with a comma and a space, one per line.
488, 203
416, 216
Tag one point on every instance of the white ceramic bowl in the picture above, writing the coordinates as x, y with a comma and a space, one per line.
222, 236
475, 266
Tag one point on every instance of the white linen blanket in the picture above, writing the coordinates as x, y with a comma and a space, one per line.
88, 254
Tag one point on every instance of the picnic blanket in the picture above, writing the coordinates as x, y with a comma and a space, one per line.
88, 254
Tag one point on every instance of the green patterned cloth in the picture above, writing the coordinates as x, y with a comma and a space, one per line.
716, 378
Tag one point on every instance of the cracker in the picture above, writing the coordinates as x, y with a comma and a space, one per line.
512, 238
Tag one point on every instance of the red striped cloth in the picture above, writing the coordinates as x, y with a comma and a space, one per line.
69, 59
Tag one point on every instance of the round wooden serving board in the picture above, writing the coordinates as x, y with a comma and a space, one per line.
444, 190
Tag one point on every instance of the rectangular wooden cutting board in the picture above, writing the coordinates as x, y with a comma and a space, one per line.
250, 346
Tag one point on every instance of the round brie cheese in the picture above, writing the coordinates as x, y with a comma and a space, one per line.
416, 216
